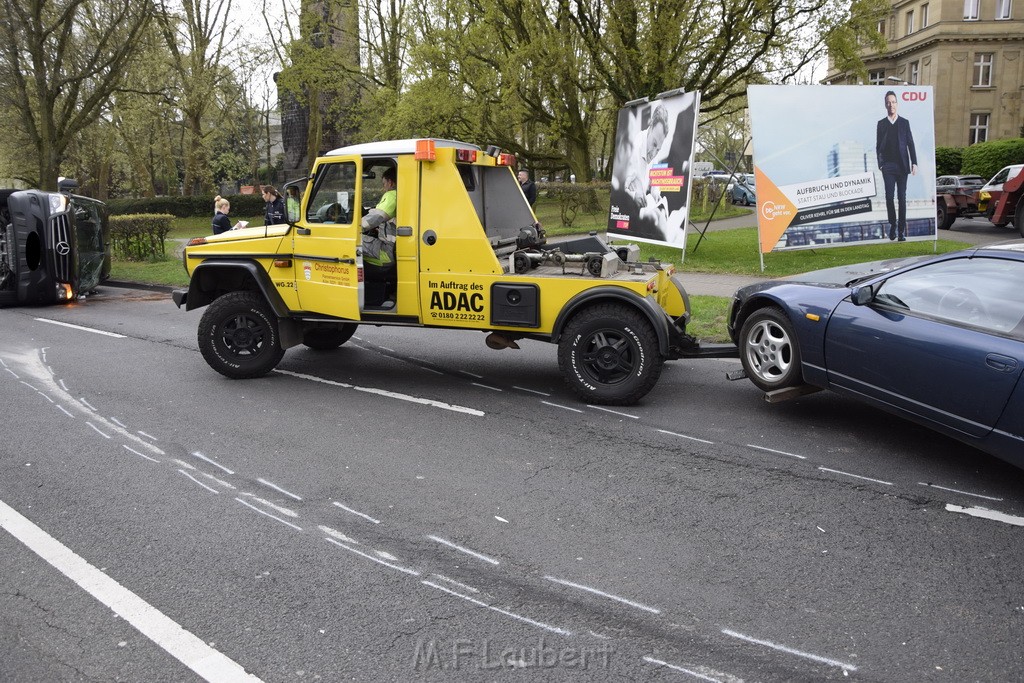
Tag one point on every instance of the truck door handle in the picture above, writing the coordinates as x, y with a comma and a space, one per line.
349, 261
303, 231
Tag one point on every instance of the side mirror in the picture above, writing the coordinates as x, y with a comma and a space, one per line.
862, 295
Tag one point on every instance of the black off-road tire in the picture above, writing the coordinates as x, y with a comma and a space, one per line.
770, 351
609, 355
328, 338
238, 336
943, 219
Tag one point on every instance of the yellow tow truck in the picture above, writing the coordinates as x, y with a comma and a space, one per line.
468, 254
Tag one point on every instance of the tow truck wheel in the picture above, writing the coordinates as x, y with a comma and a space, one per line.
609, 355
328, 338
238, 336
942, 216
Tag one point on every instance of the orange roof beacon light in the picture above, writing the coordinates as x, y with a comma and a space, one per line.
425, 150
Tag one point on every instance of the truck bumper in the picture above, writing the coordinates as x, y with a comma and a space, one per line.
180, 296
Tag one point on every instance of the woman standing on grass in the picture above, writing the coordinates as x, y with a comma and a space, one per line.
221, 222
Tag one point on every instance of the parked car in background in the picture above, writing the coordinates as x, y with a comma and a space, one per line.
991, 191
938, 340
742, 191
957, 197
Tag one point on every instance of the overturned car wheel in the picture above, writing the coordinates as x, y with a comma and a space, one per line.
238, 336
609, 355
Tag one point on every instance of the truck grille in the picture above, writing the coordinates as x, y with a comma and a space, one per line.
60, 247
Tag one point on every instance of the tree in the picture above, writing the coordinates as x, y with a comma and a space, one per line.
60, 61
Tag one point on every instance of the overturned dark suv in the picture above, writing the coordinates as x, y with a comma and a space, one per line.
54, 246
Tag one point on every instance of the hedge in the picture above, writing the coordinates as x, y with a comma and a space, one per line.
139, 237
986, 158
186, 207
948, 160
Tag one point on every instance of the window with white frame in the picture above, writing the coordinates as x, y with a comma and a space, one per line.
876, 77
971, 10
915, 72
979, 129
910, 22
1004, 9
924, 15
983, 70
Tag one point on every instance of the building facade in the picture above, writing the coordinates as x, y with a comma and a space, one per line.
972, 54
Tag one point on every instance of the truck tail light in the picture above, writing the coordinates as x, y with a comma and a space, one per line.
506, 159
425, 150
466, 155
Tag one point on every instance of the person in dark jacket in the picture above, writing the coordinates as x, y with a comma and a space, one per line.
897, 158
274, 214
221, 222
529, 188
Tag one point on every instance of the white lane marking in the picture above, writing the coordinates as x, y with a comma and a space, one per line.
371, 557
695, 674
486, 386
966, 493
219, 481
531, 391
457, 583
132, 450
184, 646
278, 489
470, 374
539, 624
684, 436
62, 385
3, 362
556, 405
387, 394
118, 423
772, 450
987, 514
208, 488
356, 512
66, 411
186, 465
283, 510
615, 412
33, 367
501, 519
386, 555
148, 436
29, 385
199, 455
788, 650
479, 556
46, 397
13, 373
79, 327
424, 367
274, 517
855, 476
624, 601
97, 430
337, 534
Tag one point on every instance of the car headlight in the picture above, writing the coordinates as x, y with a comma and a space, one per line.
58, 203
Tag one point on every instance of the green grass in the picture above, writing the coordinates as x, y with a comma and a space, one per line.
167, 271
708, 318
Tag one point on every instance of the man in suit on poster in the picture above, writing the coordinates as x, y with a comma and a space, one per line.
897, 158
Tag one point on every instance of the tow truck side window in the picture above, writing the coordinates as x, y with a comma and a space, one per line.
334, 196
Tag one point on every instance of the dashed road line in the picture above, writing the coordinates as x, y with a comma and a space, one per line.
616, 598
855, 476
80, 327
614, 412
558, 405
772, 450
966, 493
277, 488
461, 549
513, 615
685, 436
404, 570
213, 462
788, 650
274, 517
674, 667
132, 450
356, 512
208, 488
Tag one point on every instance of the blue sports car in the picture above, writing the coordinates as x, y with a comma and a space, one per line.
937, 339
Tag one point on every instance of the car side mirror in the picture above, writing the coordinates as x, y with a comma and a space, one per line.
862, 295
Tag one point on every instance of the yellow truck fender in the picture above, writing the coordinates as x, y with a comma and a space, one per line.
668, 334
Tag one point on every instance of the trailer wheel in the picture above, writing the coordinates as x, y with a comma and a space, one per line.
609, 355
943, 220
328, 338
238, 336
